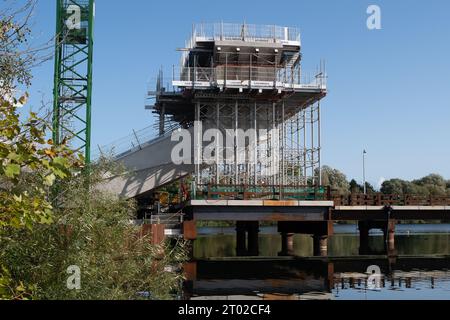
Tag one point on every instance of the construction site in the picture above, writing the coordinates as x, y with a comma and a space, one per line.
236, 137
246, 83
243, 79
228, 192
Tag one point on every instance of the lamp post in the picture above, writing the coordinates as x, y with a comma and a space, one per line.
364, 172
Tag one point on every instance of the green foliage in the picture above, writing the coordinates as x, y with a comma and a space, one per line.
29, 165
431, 185
356, 188
16, 57
91, 230
49, 219
336, 180
87, 228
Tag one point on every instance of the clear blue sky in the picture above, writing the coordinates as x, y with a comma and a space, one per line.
389, 90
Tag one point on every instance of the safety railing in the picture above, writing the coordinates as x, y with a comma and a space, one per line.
260, 192
228, 74
245, 32
390, 200
166, 219
132, 143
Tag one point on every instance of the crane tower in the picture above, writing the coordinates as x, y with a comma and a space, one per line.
73, 74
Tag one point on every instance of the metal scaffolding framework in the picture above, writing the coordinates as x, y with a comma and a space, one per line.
282, 146
73, 74
255, 112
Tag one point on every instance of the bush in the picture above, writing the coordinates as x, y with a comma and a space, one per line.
92, 231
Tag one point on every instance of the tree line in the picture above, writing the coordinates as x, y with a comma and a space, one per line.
430, 185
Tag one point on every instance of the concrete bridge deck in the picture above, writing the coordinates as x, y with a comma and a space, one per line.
260, 210
315, 218
290, 210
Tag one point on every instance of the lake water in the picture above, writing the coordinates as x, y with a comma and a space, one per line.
420, 269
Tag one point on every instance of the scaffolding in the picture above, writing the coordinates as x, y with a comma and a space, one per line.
255, 113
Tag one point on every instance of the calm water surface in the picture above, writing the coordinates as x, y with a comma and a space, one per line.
421, 270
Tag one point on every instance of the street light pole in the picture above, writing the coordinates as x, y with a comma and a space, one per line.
364, 172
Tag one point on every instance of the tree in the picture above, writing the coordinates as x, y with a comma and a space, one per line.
435, 184
16, 57
356, 188
336, 180
40, 240
29, 163
91, 231
370, 189
432, 179
394, 186
30, 166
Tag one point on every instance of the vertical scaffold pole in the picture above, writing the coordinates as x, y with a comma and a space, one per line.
319, 142
255, 151
198, 143
236, 140
313, 159
218, 144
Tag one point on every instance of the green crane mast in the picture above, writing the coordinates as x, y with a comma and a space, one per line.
73, 74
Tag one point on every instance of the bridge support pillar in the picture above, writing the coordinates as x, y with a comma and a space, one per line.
241, 241
247, 238
320, 245
363, 237
389, 236
253, 239
320, 231
190, 230
190, 273
155, 231
388, 228
287, 244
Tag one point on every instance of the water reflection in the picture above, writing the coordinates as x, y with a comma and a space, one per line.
410, 240
420, 271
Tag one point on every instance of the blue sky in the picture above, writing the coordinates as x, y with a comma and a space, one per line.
389, 89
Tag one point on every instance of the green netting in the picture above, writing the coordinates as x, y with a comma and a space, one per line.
260, 193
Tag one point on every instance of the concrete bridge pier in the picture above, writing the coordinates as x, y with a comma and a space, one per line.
189, 229
155, 232
389, 237
388, 228
241, 239
253, 239
364, 230
190, 274
287, 244
247, 238
320, 231
320, 245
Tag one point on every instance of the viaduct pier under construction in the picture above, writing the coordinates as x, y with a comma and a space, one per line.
239, 138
